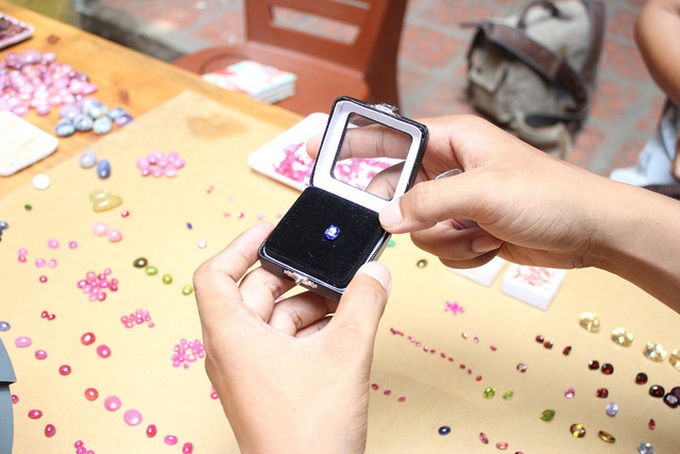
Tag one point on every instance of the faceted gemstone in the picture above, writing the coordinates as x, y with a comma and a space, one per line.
641, 378
622, 336
671, 400
540, 339
501, 446
651, 424
332, 232
483, 438
612, 409
657, 391
140, 262
676, 391
602, 393
655, 352
444, 430
645, 448
521, 367
577, 430
607, 369
590, 322
567, 350
674, 359
593, 365
606, 437
508, 395
569, 393
547, 415
489, 393
548, 345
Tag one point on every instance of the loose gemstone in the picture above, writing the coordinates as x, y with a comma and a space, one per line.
602, 393
645, 448
50, 430
167, 279
483, 438
521, 367
41, 181
4, 326
102, 125
567, 350
104, 169
593, 365
170, 440
569, 393
23, 342
489, 393
676, 391
65, 370
606, 436
187, 290
671, 400
64, 128
547, 415
87, 338
657, 391
91, 394
151, 430
611, 409
40, 354
674, 359
151, 270
187, 448
548, 345
590, 322
641, 378
112, 403
202, 244
35, 414
444, 430
103, 351
28, 207
114, 236
83, 122
540, 339
140, 262
332, 232
607, 369
508, 395
651, 424
132, 417
577, 430
87, 159
422, 263
655, 352
502, 446
622, 336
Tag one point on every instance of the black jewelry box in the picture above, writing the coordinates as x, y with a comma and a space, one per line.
332, 229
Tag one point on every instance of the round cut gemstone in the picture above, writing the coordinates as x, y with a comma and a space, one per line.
655, 352
602, 393
622, 336
612, 409
547, 415
590, 322
593, 364
521, 367
569, 393
489, 392
656, 391
540, 339
606, 437
645, 448
671, 400
641, 378
607, 369
577, 430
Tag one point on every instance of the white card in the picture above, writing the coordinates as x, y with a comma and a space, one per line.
484, 274
533, 284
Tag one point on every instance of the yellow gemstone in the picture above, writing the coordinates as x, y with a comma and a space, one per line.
578, 430
622, 336
674, 359
489, 392
606, 437
655, 352
590, 322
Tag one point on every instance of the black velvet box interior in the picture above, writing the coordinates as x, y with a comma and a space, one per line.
299, 240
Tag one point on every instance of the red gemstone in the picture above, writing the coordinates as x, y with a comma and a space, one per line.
593, 365
151, 430
87, 338
671, 400
548, 344
657, 391
567, 350
540, 339
50, 430
651, 424
641, 378
91, 394
602, 393
607, 369
65, 370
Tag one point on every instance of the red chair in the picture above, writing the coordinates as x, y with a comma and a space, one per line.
359, 60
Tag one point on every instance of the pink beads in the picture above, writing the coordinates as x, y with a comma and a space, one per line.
138, 317
151, 430
132, 417
158, 164
170, 440
23, 342
40, 354
87, 339
65, 370
96, 284
101, 229
187, 353
46, 315
187, 448
112, 403
103, 351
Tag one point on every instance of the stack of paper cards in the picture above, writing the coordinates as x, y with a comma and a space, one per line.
533, 284
484, 274
22, 143
262, 82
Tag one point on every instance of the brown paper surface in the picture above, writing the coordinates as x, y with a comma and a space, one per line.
427, 360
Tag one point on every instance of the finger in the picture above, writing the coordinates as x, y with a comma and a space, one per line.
260, 288
449, 244
215, 281
363, 304
298, 312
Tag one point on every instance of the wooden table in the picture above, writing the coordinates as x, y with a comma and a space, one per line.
125, 78
433, 365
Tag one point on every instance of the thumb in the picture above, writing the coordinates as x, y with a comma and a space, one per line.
364, 300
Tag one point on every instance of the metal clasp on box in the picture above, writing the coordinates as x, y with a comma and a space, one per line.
299, 280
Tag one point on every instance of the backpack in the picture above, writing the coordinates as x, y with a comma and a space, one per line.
534, 71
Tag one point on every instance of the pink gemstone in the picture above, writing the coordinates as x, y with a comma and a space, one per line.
52, 263
103, 351
100, 229
40, 354
73, 245
114, 236
22, 342
569, 393
112, 403
501, 445
483, 438
64, 370
87, 338
40, 262
43, 279
151, 430
91, 394
52, 244
187, 448
170, 440
15, 399
132, 417
35, 414
50, 430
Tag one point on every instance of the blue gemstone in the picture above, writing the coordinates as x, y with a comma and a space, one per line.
102, 125
332, 232
83, 122
116, 112
64, 128
4, 326
444, 430
103, 169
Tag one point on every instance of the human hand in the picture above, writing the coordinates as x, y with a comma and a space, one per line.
289, 377
531, 208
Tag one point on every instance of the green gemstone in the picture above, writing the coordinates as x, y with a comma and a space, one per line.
508, 395
28, 207
187, 290
167, 279
421, 263
391, 243
151, 271
140, 262
489, 392
547, 415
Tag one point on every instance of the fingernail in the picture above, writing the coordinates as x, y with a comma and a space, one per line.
378, 272
390, 215
484, 243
